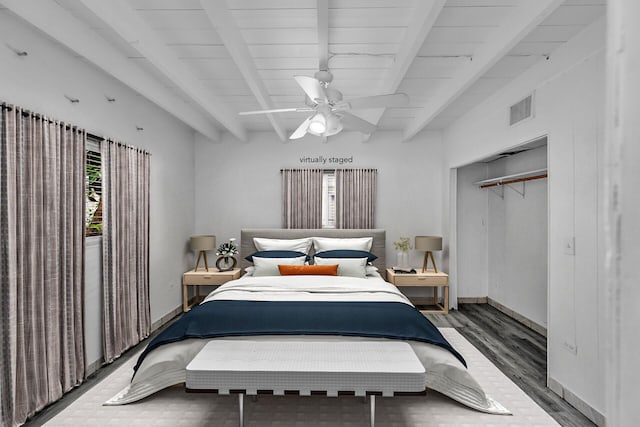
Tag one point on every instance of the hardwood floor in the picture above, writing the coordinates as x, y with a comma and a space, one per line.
516, 350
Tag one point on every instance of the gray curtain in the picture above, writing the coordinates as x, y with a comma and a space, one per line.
125, 247
41, 262
302, 198
356, 198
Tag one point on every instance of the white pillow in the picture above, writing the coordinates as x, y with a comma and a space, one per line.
300, 245
329, 243
269, 266
352, 267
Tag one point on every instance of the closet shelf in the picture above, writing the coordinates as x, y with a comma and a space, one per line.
512, 179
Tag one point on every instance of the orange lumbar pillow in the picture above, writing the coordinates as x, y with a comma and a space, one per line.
317, 270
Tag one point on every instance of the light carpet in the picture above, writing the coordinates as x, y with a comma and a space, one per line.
174, 407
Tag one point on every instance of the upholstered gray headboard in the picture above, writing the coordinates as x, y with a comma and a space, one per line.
247, 234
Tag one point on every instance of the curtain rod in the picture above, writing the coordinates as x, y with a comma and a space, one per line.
29, 113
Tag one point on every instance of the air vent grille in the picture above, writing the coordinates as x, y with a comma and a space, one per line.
521, 110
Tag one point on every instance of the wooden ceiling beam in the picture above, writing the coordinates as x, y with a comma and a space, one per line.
424, 16
224, 24
125, 21
516, 26
50, 18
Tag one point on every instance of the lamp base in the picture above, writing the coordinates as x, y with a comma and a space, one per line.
202, 254
427, 255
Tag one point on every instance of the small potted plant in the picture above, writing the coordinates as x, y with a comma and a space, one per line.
226, 251
403, 246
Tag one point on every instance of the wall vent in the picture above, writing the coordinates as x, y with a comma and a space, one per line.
521, 110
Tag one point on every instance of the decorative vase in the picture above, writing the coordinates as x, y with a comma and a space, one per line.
226, 263
402, 260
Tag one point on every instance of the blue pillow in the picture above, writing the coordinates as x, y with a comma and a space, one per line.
276, 254
347, 253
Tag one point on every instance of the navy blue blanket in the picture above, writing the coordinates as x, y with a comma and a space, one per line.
227, 318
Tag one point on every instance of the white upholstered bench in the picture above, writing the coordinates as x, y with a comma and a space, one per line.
332, 367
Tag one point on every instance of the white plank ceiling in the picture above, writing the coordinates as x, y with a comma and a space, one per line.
205, 61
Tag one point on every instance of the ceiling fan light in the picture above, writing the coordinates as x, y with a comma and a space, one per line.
318, 124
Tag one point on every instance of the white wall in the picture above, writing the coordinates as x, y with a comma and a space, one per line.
93, 301
622, 179
39, 82
238, 184
569, 90
517, 238
472, 240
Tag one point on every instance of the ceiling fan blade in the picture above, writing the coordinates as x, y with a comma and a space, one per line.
356, 123
377, 101
276, 110
302, 129
312, 88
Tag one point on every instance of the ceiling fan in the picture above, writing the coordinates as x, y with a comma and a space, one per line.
329, 111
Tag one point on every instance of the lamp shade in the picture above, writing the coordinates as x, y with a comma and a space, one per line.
203, 243
428, 243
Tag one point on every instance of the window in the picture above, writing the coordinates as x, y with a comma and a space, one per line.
340, 198
329, 199
93, 189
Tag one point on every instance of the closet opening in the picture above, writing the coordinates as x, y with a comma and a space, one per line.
501, 233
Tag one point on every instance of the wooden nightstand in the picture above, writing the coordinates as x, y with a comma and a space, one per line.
201, 277
429, 279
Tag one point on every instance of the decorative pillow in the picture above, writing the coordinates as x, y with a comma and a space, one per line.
317, 270
300, 245
352, 267
346, 253
329, 243
269, 266
276, 254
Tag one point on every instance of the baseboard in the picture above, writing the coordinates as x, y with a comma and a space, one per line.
472, 300
93, 367
518, 317
596, 417
164, 319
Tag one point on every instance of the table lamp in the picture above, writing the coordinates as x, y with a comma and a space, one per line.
428, 244
203, 244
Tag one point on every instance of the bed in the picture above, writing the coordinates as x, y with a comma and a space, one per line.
341, 297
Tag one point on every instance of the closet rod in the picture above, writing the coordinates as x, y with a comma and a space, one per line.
513, 181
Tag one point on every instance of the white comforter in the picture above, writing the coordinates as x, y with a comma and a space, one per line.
308, 288
165, 366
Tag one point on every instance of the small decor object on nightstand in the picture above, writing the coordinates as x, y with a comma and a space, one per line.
428, 244
203, 244
402, 253
226, 260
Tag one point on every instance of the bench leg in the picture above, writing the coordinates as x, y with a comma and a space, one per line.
372, 399
241, 408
